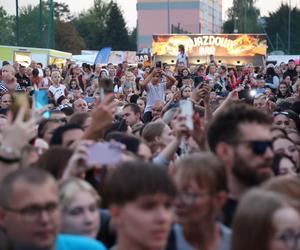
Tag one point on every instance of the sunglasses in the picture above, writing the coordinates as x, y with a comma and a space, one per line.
280, 113
259, 147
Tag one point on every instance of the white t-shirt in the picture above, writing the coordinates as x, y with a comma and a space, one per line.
57, 91
182, 58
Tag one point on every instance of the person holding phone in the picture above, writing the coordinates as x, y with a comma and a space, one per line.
155, 87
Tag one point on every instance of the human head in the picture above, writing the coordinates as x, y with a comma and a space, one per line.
286, 185
46, 129
291, 64
131, 114
157, 109
129, 202
80, 105
133, 144
55, 160
281, 120
284, 165
79, 204
284, 145
66, 135
241, 137
259, 102
83, 119
202, 186
275, 221
283, 90
55, 77
141, 102
157, 131
186, 92
29, 211
6, 100
181, 48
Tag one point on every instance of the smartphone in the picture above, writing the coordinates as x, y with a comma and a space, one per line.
90, 99
158, 64
186, 107
107, 85
105, 153
20, 100
41, 100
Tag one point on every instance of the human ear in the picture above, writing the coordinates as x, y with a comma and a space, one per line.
226, 153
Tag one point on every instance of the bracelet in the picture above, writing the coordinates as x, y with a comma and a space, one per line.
7, 160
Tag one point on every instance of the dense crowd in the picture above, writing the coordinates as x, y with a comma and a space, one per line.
133, 157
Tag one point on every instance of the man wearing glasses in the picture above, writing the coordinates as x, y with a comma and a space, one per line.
30, 214
241, 137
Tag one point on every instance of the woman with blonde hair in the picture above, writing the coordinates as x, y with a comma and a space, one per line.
80, 205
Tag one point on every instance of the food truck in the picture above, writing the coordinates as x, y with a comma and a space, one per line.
230, 49
24, 55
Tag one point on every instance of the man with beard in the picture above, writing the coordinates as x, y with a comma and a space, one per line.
241, 137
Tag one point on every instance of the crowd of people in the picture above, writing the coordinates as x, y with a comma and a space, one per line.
133, 157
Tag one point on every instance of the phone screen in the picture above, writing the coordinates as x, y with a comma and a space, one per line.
158, 64
41, 100
105, 153
186, 107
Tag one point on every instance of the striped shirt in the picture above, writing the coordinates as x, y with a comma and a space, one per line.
4, 89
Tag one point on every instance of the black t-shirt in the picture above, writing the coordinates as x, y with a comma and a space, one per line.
229, 212
23, 81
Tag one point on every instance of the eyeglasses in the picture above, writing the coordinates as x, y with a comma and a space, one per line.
259, 147
290, 239
189, 197
33, 213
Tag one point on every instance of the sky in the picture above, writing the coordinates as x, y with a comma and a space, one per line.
129, 6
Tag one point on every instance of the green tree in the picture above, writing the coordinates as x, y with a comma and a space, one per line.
29, 23
67, 38
277, 28
91, 24
116, 33
133, 40
243, 16
7, 35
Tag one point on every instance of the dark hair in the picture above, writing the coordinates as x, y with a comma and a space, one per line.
43, 126
225, 126
31, 175
35, 72
288, 92
120, 126
134, 108
55, 160
132, 180
276, 162
57, 137
132, 143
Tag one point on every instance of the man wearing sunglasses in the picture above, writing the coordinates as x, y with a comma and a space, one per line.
241, 137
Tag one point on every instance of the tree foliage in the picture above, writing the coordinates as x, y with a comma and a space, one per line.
100, 26
243, 16
7, 35
277, 28
116, 33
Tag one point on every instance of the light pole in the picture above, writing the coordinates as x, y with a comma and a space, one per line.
235, 25
289, 28
17, 23
169, 17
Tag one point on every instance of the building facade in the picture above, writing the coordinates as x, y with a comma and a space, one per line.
177, 16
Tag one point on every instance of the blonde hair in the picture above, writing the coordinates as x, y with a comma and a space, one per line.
70, 187
9, 68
